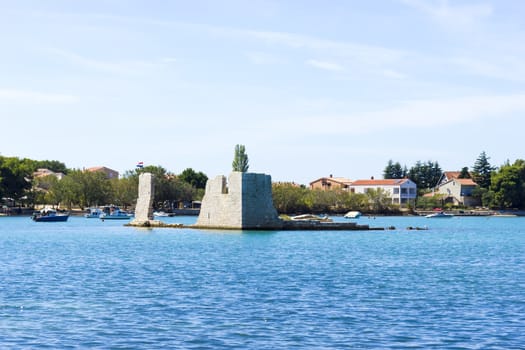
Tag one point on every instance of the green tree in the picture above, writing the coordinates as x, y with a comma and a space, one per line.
68, 190
426, 203
53, 165
354, 201
394, 171
289, 198
240, 159
425, 175
482, 171
508, 185
85, 188
464, 174
320, 201
196, 179
15, 177
124, 191
379, 200
483, 196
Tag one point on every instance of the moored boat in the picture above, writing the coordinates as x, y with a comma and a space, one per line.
439, 215
49, 215
311, 217
352, 215
93, 213
115, 213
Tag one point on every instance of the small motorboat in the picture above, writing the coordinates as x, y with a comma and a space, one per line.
160, 214
311, 217
115, 213
352, 215
93, 213
439, 215
49, 215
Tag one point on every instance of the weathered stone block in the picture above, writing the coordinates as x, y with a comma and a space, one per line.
244, 202
144, 207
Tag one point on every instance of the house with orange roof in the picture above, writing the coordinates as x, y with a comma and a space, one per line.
447, 176
458, 192
401, 191
330, 183
110, 173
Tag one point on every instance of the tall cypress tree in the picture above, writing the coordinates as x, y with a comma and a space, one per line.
240, 159
482, 171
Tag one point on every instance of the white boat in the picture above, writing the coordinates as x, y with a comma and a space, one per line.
439, 215
352, 215
93, 213
160, 214
311, 217
115, 214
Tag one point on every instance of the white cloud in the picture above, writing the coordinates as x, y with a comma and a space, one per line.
325, 65
455, 16
123, 67
34, 97
507, 67
417, 114
358, 52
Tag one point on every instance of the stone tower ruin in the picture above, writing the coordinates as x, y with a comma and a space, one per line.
243, 202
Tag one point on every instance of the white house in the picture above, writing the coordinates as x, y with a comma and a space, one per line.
401, 191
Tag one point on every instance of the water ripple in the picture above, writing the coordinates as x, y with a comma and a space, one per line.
89, 285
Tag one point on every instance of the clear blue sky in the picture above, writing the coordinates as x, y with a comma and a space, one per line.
311, 88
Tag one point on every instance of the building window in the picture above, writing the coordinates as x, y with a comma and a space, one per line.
403, 191
396, 190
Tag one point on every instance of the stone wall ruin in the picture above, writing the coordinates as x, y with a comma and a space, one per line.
243, 202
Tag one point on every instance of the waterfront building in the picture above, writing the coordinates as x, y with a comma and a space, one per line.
401, 191
110, 173
330, 183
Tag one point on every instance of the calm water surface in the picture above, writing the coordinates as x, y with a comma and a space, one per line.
91, 284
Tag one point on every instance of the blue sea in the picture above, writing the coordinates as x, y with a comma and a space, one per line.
100, 285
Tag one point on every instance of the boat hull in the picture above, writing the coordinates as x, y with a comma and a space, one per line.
115, 217
54, 218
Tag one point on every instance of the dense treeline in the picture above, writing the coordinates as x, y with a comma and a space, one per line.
499, 188
83, 189
289, 198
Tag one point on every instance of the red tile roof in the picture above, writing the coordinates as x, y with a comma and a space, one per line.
466, 182
452, 174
